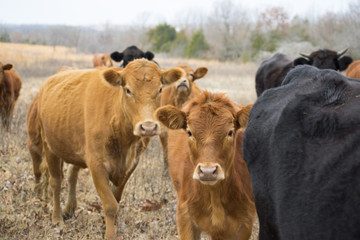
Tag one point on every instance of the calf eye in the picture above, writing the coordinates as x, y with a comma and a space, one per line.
128, 91
230, 133
189, 133
160, 90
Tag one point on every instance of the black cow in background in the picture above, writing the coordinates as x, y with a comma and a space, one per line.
272, 71
129, 54
302, 148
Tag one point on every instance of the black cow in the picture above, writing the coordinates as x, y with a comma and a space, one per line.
273, 70
302, 148
129, 54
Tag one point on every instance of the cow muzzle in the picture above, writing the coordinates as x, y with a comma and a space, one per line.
147, 129
208, 173
183, 85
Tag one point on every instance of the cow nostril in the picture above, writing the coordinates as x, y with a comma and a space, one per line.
214, 172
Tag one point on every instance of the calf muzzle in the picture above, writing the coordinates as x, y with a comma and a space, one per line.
208, 173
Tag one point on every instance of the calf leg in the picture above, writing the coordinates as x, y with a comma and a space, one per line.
73, 172
164, 143
54, 167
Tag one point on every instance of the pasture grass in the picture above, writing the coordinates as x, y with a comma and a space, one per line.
23, 215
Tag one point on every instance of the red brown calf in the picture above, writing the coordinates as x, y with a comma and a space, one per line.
177, 94
207, 169
353, 71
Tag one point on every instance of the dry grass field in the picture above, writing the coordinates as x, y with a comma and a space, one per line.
25, 216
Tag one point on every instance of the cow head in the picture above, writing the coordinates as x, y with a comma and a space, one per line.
129, 54
2, 69
210, 121
325, 59
140, 83
184, 85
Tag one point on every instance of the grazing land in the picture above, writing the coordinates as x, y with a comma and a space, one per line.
147, 209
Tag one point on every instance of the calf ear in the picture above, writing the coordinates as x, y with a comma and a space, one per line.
199, 73
302, 61
242, 116
344, 62
117, 56
149, 55
171, 117
170, 76
7, 66
113, 77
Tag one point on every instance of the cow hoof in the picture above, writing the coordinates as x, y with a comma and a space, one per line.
57, 221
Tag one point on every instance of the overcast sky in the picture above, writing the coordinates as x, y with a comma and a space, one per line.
90, 12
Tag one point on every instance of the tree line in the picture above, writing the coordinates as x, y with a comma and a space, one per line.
230, 33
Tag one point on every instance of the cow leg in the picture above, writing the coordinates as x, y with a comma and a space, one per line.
101, 181
36, 157
164, 143
54, 167
73, 172
186, 229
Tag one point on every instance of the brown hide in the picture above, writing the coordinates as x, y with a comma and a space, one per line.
353, 71
207, 134
96, 119
177, 94
102, 60
10, 85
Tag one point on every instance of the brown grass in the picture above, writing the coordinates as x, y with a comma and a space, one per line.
23, 215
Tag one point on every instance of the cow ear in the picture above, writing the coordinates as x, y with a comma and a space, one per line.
149, 55
7, 66
170, 76
242, 116
302, 61
113, 77
199, 73
344, 62
117, 56
171, 117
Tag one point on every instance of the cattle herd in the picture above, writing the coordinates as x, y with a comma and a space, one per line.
291, 159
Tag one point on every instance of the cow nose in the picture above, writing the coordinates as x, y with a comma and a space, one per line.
208, 173
148, 128
183, 81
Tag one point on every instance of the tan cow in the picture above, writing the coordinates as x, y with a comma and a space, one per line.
10, 85
99, 119
102, 60
353, 71
177, 94
207, 168
65, 68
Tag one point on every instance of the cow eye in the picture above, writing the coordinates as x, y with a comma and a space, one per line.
189, 133
128, 92
230, 133
160, 90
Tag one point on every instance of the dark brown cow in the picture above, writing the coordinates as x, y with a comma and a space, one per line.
207, 169
10, 85
102, 60
353, 71
272, 71
99, 119
177, 94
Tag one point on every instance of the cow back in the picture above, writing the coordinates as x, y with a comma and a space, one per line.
301, 147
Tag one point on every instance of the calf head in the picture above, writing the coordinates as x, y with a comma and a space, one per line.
140, 83
106, 60
184, 85
210, 121
325, 59
2, 69
129, 54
